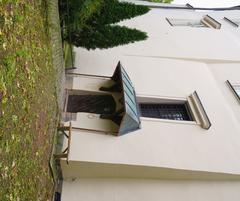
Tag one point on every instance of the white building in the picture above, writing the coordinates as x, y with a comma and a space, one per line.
183, 113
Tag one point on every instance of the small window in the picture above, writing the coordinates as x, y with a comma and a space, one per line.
185, 22
234, 22
188, 109
205, 21
235, 87
166, 111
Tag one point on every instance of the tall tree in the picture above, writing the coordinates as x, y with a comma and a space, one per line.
106, 37
95, 30
113, 11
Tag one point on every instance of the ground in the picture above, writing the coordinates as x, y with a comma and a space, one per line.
28, 102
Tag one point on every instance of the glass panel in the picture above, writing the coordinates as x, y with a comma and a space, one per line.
128, 125
190, 23
131, 104
128, 88
129, 95
166, 111
237, 89
236, 21
130, 120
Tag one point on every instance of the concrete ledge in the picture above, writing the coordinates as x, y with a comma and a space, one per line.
76, 169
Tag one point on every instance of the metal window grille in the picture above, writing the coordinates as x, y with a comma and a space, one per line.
166, 111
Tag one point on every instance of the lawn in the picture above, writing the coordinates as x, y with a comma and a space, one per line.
28, 102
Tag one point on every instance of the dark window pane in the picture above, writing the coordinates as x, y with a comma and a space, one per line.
166, 111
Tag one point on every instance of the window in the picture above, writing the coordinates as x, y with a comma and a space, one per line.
188, 109
235, 87
166, 111
234, 22
206, 21
184, 22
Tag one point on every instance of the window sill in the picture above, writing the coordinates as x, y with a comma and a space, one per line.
169, 121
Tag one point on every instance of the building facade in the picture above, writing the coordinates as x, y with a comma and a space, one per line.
167, 121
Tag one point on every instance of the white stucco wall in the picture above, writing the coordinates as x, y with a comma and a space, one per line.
222, 73
173, 62
154, 190
203, 44
175, 144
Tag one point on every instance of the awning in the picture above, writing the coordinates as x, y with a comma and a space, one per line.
128, 117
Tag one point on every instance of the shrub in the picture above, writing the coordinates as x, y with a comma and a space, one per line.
106, 36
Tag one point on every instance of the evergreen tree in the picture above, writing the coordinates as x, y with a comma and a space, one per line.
161, 1
89, 23
76, 13
106, 36
113, 11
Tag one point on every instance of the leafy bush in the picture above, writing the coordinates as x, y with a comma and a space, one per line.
106, 36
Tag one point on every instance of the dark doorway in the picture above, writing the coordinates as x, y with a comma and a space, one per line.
98, 104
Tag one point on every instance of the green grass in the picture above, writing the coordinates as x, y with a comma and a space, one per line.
28, 104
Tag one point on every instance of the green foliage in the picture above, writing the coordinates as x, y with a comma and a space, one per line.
88, 22
106, 36
113, 11
75, 13
161, 1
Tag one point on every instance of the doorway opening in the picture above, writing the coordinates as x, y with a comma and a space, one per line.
97, 104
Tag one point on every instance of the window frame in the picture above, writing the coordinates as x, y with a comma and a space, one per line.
185, 22
211, 22
184, 106
193, 102
207, 22
231, 22
231, 86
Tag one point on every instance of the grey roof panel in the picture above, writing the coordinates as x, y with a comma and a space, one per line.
131, 119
